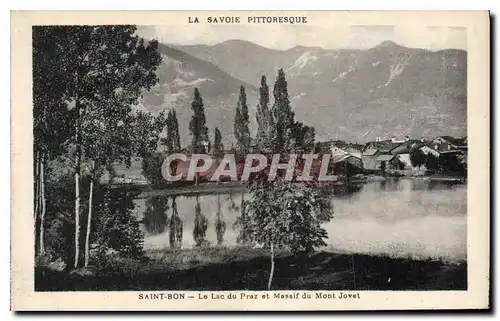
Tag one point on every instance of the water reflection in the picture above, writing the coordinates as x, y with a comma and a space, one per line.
232, 204
155, 215
220, 224
392, 184
176, 228
200, 225
241, 222
395, 216
347, 190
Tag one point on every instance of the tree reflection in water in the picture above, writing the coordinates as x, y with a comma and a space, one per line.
232, 204
155, 216
200, 224
346, 189
175, 227
220, 224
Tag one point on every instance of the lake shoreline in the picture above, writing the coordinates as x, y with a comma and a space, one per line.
244, 268
212, 188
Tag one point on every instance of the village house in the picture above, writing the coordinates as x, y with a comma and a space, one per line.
454, 160
344, 162
395, 154
389, 162
448, 143
373, 150
389, 146
404, 150
369, 158
354, 151
451, 150
407, 146
426, 149
370, 154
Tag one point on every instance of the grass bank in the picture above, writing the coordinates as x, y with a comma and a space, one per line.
221, 268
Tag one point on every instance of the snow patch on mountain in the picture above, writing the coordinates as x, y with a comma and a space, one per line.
343, 74
340, 76
299, 95
173, 98
183, 83
396, 69
303, 61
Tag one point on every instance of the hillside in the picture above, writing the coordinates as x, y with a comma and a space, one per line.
179, 73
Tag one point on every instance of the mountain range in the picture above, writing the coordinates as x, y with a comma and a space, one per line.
348, 94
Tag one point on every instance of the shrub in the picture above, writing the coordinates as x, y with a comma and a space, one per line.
117, 228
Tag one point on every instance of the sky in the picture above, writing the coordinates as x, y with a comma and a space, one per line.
283, 37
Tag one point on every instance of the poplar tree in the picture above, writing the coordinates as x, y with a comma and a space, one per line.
282, 113
173, 140
197, 125
218, 147
264, 116
242, 123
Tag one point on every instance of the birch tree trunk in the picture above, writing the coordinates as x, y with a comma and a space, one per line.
77, 185
89, 219
37, 186
243, 218
41, 247
36, 212
77, 217
272, 268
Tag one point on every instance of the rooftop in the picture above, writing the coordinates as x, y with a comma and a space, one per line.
408, 146
385, 158
370, 152
387, 147
455, 141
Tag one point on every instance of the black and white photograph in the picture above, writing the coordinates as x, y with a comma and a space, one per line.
250, 152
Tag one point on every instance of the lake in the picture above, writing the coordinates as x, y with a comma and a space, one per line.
415, 218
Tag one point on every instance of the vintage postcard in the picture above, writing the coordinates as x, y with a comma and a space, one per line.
253, 160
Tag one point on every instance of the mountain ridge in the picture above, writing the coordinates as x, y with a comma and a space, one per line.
349, 94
